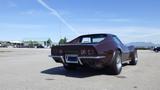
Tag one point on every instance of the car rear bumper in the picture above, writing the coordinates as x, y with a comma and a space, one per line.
90, 61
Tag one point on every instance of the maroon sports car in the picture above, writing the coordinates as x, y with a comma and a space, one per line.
95, 51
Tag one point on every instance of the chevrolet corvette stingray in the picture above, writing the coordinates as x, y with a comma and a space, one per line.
99, 51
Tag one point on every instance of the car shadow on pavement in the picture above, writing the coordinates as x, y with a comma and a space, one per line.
79, 73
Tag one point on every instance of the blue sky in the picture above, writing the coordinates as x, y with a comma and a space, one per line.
131, 20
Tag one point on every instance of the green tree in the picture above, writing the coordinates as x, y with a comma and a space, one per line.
49, 42
63, 40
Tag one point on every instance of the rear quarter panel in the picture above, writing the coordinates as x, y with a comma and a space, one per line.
105, 45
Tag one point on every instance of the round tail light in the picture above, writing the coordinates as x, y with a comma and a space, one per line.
90, 52
83, 52
60, 51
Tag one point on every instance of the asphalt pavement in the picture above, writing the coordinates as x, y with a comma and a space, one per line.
32, 69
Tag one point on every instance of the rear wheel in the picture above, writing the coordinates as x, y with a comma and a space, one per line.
69, 66
134, 58
116, 67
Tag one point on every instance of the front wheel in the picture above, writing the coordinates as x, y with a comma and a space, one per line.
156, 51
134, 58
116, 67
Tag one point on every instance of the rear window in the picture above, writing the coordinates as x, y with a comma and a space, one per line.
86, 40
92, 39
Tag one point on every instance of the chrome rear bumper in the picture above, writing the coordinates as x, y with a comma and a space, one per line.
79, 58
92, 57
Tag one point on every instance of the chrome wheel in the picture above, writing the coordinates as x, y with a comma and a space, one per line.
119, 63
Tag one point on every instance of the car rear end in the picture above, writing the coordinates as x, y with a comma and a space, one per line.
87, 50
84, 55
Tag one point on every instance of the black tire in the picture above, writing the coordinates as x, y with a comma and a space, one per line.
116, 67
69, 67
156, 51
134, 58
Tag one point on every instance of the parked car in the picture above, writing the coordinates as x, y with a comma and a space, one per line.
156, 49
98, 51
40, 46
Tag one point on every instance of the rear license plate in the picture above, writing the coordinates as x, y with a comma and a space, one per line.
71, 59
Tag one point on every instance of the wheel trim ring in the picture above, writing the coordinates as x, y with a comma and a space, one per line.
118, 63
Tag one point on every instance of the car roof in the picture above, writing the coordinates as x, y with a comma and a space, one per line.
97, 34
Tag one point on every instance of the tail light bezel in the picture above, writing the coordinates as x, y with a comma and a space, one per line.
87, 52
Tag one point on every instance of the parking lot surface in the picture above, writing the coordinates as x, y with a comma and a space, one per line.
32, 69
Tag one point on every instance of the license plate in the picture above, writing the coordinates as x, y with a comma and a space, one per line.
71, 59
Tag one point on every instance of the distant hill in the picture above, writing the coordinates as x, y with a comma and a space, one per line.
143, 44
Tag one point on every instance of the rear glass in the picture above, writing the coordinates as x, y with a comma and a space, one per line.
86, 40
93, 38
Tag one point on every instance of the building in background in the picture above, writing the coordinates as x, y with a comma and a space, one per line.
27, 43
15, 44
37, 43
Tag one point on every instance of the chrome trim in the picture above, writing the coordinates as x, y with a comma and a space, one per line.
92, 57
53, 56
79, 58
57, 57
114, 53
49, 55
80, 61
124, 62
62, 59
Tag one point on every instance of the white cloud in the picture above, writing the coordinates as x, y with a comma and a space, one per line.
34, 12
119, 20
100, 19
19, 26
29, 12
54, 12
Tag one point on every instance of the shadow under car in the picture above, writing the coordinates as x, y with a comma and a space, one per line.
81, 72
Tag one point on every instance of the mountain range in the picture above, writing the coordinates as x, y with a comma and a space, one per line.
143, 44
